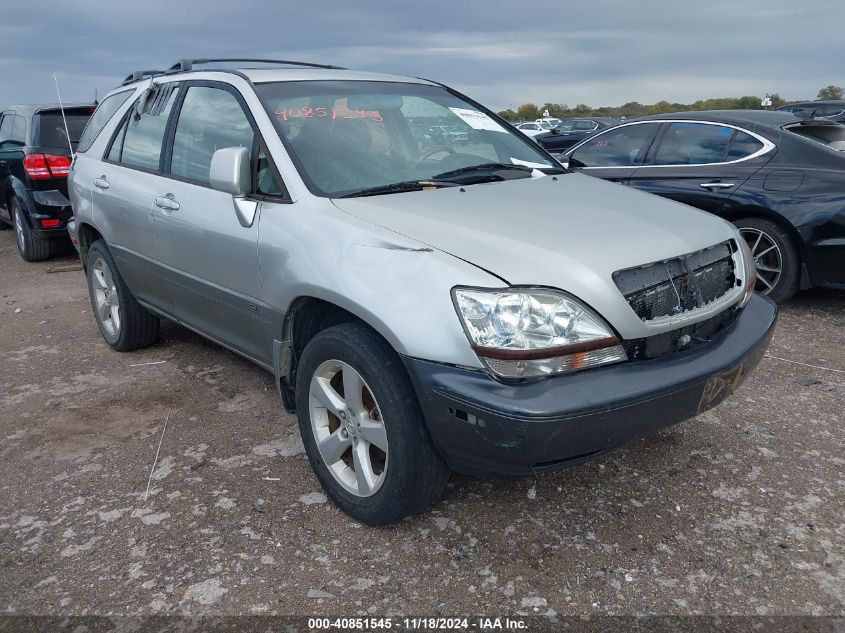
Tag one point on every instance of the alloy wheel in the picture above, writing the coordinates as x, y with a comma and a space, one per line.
767, 257
106, 298
20, 233
348, 428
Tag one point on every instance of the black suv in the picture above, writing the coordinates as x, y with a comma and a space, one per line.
35, 159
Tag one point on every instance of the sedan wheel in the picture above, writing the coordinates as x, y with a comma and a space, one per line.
348, 428
767, 257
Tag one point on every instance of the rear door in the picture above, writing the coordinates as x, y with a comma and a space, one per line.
210, 259
124, 184
701, 164
615, 154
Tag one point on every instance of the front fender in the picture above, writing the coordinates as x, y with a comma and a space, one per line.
399, 287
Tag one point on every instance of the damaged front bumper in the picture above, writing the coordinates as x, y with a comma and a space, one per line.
484, 427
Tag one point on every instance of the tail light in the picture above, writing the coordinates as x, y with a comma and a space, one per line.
41, 166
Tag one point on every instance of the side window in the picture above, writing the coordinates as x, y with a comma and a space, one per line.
743, 145
142, 135
266, 182
105, 111
693, 144
210, 119
616, 148
6, 127
19, 129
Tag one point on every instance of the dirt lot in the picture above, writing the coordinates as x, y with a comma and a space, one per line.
740, 511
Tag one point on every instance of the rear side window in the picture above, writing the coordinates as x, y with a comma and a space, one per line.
693, 144
142, 134
6, 127
210, 119
616, 148
51, 128
742, 146
105, 111
19, 129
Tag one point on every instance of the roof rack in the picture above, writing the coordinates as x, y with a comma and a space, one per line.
140, 74
184, 65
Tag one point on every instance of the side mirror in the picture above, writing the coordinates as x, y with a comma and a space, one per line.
555, 130
230, 171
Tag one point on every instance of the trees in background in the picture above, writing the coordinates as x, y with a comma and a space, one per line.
530, 111
830, 93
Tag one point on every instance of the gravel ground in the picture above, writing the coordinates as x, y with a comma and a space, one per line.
739, 511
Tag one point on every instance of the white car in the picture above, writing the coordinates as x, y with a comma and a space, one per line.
532, 129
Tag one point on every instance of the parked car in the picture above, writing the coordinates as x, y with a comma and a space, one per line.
833, 110
571, 131
531, 129
468, 307
777, 177
35, 157
548, 122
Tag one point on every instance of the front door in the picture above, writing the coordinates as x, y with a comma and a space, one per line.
210, 259
615, 154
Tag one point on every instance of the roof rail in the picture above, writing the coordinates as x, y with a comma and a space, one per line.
184, 65
140, 74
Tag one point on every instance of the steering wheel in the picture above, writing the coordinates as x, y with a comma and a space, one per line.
431, 152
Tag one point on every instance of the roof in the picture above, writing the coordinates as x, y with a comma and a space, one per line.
28, 109
812, 103
266, 74
765, 117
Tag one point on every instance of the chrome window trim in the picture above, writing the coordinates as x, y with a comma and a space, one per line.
767, 144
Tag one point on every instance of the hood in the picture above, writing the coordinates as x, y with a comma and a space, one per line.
570, 232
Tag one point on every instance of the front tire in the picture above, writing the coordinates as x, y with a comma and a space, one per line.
123, 322
777, 259
31, 247
363, 429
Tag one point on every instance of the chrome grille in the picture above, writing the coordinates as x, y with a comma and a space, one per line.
680, 284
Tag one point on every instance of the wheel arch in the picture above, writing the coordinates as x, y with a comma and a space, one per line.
764, 213
87, 234
306, 317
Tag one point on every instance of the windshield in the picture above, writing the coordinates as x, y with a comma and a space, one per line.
352, 136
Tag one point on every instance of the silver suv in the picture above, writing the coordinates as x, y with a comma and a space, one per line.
426, 303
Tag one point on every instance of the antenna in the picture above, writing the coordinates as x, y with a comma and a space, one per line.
64, 118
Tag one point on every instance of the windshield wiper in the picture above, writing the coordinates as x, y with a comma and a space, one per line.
488, 171
398, 187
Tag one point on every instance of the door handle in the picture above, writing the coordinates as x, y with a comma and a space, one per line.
716, 185
101, 183
167, 203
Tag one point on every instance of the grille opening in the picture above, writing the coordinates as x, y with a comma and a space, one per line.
681, 339
678, 285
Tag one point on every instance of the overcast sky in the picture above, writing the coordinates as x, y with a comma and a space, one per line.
600, 52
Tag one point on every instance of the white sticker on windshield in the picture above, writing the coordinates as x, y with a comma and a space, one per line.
477, 120
528, 163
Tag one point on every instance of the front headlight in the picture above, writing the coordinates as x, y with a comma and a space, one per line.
529, 332
750, 269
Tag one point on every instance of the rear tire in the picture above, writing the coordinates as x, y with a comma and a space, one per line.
778, 260
124, 324
31, 247
403, 471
